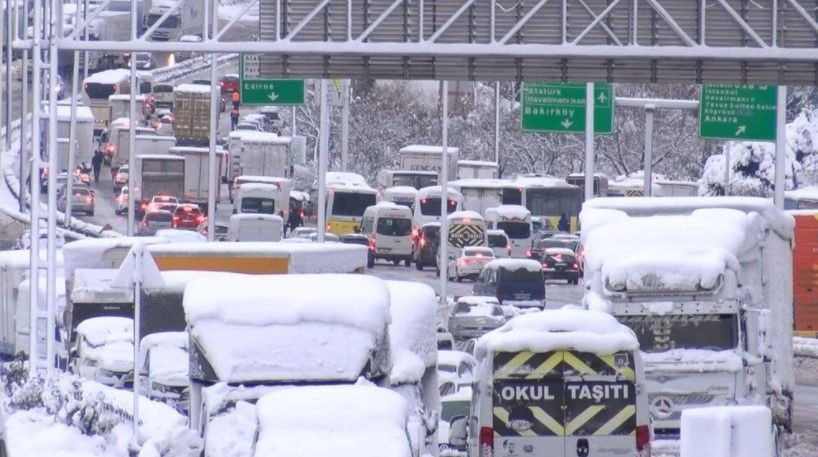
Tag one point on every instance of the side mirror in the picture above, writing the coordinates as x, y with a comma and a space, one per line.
458, 431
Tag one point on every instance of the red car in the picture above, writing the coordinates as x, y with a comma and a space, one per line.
187, 216
229, 83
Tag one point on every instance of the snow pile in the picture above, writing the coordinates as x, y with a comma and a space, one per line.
167, 357
692, 360
231, 433
511, 212
293, 327
103, 330
573, 329
412, 335
325, 421
181, 236
467, 215
478, 306
93, 285
730, 431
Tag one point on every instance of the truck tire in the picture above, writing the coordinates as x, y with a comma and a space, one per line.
396, 262
419, 265
370, 262
408, 261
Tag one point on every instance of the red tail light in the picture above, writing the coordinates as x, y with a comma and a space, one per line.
372, 244
422, 242
528, 253
200, 219
575, 266
486, 442
643, 440
88, 200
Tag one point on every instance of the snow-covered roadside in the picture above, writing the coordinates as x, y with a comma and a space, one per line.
805, 347
70, 417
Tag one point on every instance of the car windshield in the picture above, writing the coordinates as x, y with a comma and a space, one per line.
452, 409
663, 333
515, 230
523, 281
497, 241
351, 203
557, 243
447, 368
258, 205
394, 226
99, 90
159, 216
431, 206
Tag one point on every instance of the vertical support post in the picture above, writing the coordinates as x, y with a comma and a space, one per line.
293, 116
727, 148
132, 134
345, 89
34, 229
136, 256
589, 141
323, 160
648, 165
4, 27
23, 114
85, 55
780, 145
53, 169
72, 129
444, 195
497, 122
213, 186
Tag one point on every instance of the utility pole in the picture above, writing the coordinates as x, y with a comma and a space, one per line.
589, 141
323, 160
444, 195
648, 164
345, 90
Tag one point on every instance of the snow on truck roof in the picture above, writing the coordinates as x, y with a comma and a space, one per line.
252, 136
109, 76
682, 248
412, 336
100, 330
429, 191
84, 113
287, 327
159, 157
327, 421
542, 181
197, 88
465, 214
510, 211
91, 252
477, 163
354, 300
428, 149
481, 183
568, 329
93, 285
400, 190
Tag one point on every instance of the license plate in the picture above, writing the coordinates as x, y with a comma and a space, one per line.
522, 296
384, 249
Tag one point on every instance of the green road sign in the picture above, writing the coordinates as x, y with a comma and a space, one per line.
257, 91
560, 107
737, 112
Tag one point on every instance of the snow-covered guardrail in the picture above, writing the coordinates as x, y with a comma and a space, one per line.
77, 228
805, 347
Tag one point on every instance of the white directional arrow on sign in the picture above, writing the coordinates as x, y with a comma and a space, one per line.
602, 97
566, 123
741, 129
273, 96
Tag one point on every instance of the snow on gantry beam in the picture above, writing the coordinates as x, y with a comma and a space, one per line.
582, 40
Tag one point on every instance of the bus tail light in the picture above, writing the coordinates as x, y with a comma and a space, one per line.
486, 442
642, 440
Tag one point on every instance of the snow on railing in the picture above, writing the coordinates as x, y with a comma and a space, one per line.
78, 228
805, 347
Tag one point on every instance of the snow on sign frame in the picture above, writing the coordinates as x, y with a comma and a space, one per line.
737, 112
560, 108
254, 90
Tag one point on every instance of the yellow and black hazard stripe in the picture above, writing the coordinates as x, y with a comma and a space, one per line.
611, 417
541, 417
538, 365
461, 235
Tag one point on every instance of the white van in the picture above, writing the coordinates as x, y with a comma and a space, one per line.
427, 204
255, 227
401, 195
252, 198
545, 388
515, 220
499, 243
389, 229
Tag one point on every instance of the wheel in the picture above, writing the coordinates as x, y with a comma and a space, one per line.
575, 281
91, 213
407, 261
370, 262
419, 264
396, 262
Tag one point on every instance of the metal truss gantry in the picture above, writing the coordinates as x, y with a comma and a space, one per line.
739, 41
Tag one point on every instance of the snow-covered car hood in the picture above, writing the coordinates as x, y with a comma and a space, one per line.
114, 356
177, 379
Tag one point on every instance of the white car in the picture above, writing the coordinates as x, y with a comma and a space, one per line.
455, 366
473, 316
103, 351
469, 262
122, 201
499, 243
451, 406
163, 369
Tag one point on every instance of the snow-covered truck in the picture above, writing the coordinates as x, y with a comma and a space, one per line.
157, 174
186, 20
477, 169
107, 26
258, 154
706, 285
197, 173
191, 114
251, 335
419, 157
154, 144
83, 149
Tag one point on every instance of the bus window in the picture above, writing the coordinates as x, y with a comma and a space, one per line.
99, 90
514, 196
551, 202
351, 204
515, 230
431, 206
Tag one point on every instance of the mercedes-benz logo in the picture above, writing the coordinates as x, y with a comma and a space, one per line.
661, 407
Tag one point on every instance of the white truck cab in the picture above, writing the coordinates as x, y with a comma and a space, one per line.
545, 387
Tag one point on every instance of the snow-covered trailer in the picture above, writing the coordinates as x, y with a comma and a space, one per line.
252, 334
93, 296
706, 285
